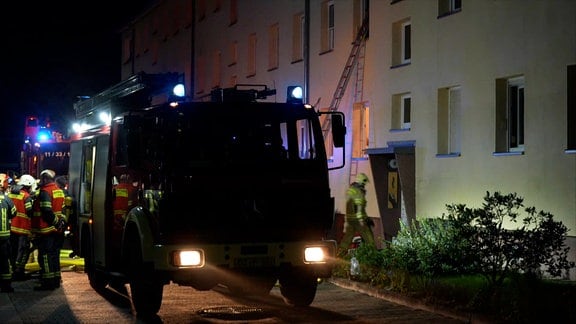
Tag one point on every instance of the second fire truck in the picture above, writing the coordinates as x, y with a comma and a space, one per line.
233, 191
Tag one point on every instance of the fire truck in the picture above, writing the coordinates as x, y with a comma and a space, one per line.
230, 191
45, 147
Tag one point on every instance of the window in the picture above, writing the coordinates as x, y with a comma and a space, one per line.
327, 25
201, 10
510, 115
217, 61
406, 42
298, 37
401, 111
233, 53
361, 10
217, 5
449, 121
233, 12
127, 48
360, 130
232, 81
406, 102
448, 7
200, 70
571, 108
273, 35
401, 42
251, 55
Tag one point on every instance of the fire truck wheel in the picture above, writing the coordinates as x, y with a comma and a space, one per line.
146, 291
96, 279
298, 290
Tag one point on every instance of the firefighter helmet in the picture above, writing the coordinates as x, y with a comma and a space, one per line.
27, 180
362, 178
48, 174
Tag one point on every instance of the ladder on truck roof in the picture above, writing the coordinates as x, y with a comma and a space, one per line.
132, 85
357, 45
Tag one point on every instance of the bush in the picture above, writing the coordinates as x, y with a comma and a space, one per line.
471, 243
497, 252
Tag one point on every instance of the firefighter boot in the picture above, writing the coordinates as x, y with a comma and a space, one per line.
45, 284
6, 286
56, 281
19, 275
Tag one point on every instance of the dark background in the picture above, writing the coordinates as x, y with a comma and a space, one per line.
52, 52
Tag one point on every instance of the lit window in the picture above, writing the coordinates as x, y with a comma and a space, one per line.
327, 25
449, 121
510, 115
360, 130
298, 37
273, 52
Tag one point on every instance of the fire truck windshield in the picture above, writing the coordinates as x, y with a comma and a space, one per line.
253, 134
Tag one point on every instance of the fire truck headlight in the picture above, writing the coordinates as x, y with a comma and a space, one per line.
315, 254
188, 258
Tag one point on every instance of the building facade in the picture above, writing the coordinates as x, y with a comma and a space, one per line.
445, 100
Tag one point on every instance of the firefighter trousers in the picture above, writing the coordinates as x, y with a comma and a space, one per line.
49, 258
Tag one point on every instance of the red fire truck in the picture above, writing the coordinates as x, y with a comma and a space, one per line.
45, 147
231, 191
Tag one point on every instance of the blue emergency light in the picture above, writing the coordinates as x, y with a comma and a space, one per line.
44, 135
294, 95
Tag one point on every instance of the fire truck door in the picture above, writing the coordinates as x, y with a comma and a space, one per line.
100, 188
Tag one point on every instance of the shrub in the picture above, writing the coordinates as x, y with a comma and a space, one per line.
497, 252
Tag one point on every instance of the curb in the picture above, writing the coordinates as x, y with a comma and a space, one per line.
400, 299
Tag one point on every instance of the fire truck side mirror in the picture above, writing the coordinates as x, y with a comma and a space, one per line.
338, 129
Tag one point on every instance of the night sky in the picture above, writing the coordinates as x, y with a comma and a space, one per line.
52, 52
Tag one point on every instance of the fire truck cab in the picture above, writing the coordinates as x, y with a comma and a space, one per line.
231, 191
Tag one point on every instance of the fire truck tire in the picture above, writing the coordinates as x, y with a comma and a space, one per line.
298, 290
146, 291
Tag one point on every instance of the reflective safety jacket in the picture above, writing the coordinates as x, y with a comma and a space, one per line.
7, 212
122, 202
48, 209
357, 194
21, 223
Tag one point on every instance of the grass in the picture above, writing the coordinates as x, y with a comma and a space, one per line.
520, 300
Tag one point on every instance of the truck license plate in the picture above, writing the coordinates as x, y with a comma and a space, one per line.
254, 262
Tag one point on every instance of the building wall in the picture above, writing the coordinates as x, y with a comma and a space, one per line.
471, 48
160, 40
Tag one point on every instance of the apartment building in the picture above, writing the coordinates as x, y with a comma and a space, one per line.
445, 100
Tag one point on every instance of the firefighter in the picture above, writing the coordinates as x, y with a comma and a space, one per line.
62, 183
7, 212
123, 194
20, 234
47, 220
357, 222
